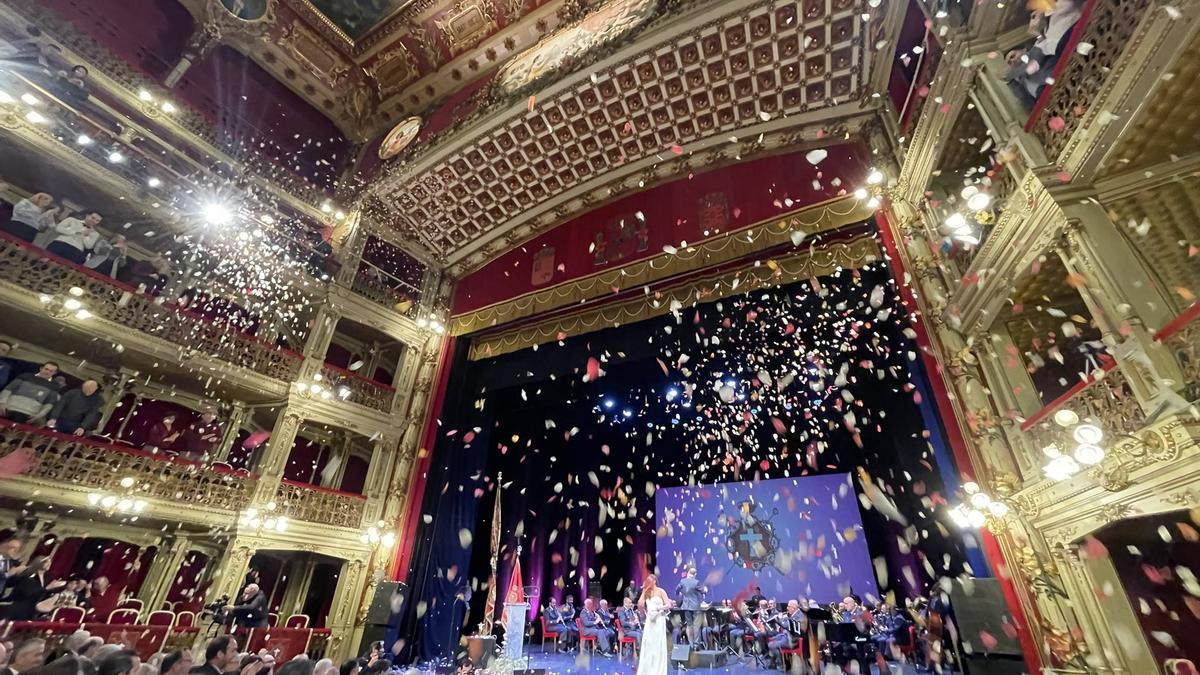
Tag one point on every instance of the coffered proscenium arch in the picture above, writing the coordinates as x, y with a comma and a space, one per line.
704, 78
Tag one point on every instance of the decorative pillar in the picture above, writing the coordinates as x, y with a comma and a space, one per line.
1099, 649
1118, 618
379, 475
230, 573
324, 325
230, 430
164, 567
350, 240
274, 459
137, 401
299, 581
113, 399
345, 608
200, 43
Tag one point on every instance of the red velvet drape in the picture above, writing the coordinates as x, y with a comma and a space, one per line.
306, 461
148, 413
184, 587
355, 476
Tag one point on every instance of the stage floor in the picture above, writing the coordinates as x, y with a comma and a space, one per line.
563, 664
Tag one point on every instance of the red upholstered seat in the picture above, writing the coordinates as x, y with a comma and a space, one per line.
185, 619
623, 640
590, 639
548, 634
123, 616
296, 621
272, 619
73, 615
161, 618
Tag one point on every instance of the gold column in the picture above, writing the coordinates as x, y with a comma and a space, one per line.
350, 240
379, 474
229, 431
274, 459
163, 569
113, 398
344, 611
1102, 654
1111, 603
231, 570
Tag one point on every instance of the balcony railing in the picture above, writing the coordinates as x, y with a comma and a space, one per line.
1107, 25
384, 289
355, 388
315, 504
1182, 338
71, 461
1106, 398
33, 269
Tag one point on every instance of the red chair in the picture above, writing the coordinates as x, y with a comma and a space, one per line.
161, 617
585, 638
296, 621
272, 619
124, 617
185, 619
786, 654
623, 640
910, 649
130, 603
73, 615
548, 634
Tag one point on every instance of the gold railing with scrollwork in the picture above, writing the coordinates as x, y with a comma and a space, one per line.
35, 270
314, 504
1107, 25
1108, 399
1182, 338
360, 390
72, 462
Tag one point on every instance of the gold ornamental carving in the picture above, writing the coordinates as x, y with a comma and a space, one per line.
466, 24
400, 137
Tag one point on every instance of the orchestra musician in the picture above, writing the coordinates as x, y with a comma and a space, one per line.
739, 626
631, 619
557, 622
759, 632
785, 636
595, 626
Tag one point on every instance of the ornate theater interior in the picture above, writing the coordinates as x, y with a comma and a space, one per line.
379, 330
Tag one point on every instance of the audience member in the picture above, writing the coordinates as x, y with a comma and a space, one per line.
30, 396
162, 436
220, 656
31, 216
78, 411
251, 610
299, 666
27, 655
349, 667
102, 598
149, 276
65, 665
178, 662
29, 588
200, 436
76, 237
109, 256
251, 664
10, 566
121, 662
6, 364
1031, 67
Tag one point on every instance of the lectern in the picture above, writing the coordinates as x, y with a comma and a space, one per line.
514, 629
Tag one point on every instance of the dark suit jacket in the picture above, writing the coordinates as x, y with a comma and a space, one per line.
26, 591
690, 595
252, 613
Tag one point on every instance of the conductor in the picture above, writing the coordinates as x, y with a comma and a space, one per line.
691, 595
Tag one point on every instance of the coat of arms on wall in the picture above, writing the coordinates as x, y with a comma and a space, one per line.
623, 237
543, 266
714, 212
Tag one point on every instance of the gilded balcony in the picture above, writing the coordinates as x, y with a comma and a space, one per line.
354, 388
28, 268
324, 506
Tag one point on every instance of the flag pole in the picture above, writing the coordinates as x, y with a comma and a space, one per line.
490, 606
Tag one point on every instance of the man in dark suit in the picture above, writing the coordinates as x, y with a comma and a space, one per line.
691, 596
10, 566
556, 622
251, 610
220, 656
631, 623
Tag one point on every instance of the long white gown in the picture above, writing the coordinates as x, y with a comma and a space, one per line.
654, 658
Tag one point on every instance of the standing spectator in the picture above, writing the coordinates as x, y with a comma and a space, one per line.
30, 396
77, 411
10, 566
200, 436
76, 237
102, 599
31, 216
29, 589
149, 276
162, 436
5, 364
251, 610
108, 257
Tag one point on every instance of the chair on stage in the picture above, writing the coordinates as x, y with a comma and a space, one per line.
124, 617
185, 619
161, 617
72, 615
296, 621
585, 638
909, 649
623, 640
789, 652
548, 634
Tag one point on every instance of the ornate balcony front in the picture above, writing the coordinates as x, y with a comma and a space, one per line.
324, 506
354, 388
32, 269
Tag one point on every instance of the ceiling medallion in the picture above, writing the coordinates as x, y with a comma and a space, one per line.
399, 137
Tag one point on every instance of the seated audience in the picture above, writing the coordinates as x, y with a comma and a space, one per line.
102, 599
199, 438
162, 436
31, 396
1032, 67
108, 256
78, 411
31, 216
220, 656
75, 237
178, 662
27, 655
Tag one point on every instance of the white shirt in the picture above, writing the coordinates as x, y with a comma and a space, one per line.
32, 215
73, 232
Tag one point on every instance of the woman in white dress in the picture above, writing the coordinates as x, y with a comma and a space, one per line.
654, 658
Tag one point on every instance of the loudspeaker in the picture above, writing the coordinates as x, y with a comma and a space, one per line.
703, 658
389, 596
979, 606
681, 652
594, 590
982, 665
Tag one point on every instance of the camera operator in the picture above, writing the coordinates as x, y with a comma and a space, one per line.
251, 610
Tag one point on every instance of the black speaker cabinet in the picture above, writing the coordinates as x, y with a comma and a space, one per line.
982, 665
389, 595
979, 606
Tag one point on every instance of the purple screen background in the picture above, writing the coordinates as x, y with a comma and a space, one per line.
822, 553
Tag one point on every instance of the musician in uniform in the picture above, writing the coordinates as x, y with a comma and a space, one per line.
759, 632
781, 637
739, 626
631, 621
595, 626
555, 621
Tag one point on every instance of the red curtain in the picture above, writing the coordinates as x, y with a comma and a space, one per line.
116, 563
306, 461
355, 476
148, 413
138, 577
184, 587
64, 557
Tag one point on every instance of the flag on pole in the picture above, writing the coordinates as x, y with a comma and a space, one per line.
489, 608
516, 589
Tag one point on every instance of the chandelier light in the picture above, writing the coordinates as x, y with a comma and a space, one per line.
64, 305
1086, 435
980, 508
264, 520
378, 536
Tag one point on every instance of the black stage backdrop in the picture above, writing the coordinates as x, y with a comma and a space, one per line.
580, 459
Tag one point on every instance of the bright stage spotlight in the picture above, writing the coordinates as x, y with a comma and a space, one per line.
672, 393
217, 214
609, 403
